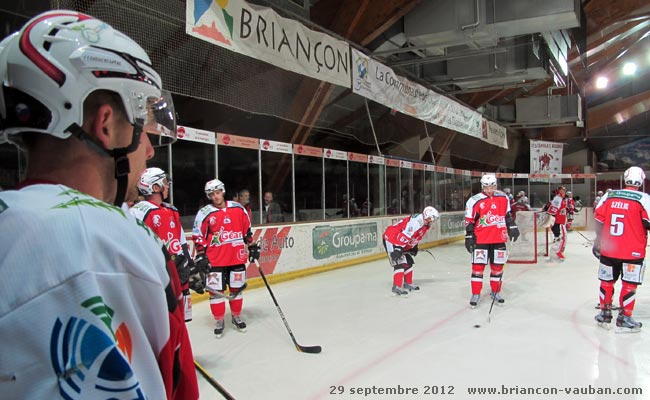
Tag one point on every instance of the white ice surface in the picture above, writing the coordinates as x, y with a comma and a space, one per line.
544, 338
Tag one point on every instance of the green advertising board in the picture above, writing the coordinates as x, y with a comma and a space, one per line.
344, 240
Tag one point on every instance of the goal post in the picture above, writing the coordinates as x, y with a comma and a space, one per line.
533, 240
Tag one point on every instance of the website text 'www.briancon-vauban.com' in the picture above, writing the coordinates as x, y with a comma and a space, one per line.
554, 391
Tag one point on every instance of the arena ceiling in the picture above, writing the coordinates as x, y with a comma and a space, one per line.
487, 57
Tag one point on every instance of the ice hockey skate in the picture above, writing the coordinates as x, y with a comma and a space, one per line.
473, 301
625, 324
239, 323
399, 292
498, 300
218, 331
604, 318
411, 287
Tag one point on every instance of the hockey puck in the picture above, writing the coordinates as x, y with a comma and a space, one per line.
477, 326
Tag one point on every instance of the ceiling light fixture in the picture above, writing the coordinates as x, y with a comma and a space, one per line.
601, 82
629, 68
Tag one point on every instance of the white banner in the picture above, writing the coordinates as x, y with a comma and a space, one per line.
379, 83
545, 157
261, 33
195, 135
494, 133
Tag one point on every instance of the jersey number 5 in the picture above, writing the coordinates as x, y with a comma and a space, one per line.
616, 226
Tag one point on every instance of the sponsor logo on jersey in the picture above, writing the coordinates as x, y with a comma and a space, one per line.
224, 236
156, 220
491, 219
91, 362
226, 220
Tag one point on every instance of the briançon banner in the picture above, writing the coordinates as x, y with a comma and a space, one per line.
261, 33
379, 83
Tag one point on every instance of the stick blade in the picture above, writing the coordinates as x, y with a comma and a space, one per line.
309, 349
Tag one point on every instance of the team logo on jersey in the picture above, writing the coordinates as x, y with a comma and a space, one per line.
91, 363
172, 244
156, 220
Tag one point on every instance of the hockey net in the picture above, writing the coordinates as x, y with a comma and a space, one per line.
532, 242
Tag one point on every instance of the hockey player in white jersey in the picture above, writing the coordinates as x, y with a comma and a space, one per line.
89, 310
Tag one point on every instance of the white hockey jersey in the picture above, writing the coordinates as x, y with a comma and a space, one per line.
84, 312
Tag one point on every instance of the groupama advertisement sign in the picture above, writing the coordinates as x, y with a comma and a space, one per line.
342, 241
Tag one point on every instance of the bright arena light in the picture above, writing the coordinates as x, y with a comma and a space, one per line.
629, 68
601, 82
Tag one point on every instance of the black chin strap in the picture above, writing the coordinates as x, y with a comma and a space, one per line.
120, 157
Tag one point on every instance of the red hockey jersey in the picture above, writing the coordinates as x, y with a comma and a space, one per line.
622, 213
557, 209
164, 221
488, 214
220, 233
407, 232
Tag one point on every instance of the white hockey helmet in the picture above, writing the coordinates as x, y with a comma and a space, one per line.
430, 212
600, 193
213, 186
523, 200
634, 176
57, 59
151, 177
489, 180
521, 193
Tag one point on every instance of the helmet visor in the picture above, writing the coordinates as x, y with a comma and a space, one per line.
159, 120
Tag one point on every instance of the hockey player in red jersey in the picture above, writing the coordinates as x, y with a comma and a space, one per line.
488, 225
556, 220
221, 232
163, 219
570, 209
622, 224
401, 243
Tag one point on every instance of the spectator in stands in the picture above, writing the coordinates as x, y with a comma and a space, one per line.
272, 212
244, 198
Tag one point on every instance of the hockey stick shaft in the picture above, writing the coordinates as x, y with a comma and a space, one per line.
500, 280
586, 238
213, 382
303, 349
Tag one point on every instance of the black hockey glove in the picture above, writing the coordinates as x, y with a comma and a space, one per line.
470, 242
595, 250
513, 232
183, 267
254, 252
414, 251
397, 253
202, 264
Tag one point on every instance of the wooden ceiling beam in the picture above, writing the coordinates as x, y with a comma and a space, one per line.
617, 111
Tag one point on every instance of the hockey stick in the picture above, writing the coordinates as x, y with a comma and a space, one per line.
303, 349
586, 238
495, 293
212, 382
427, 251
